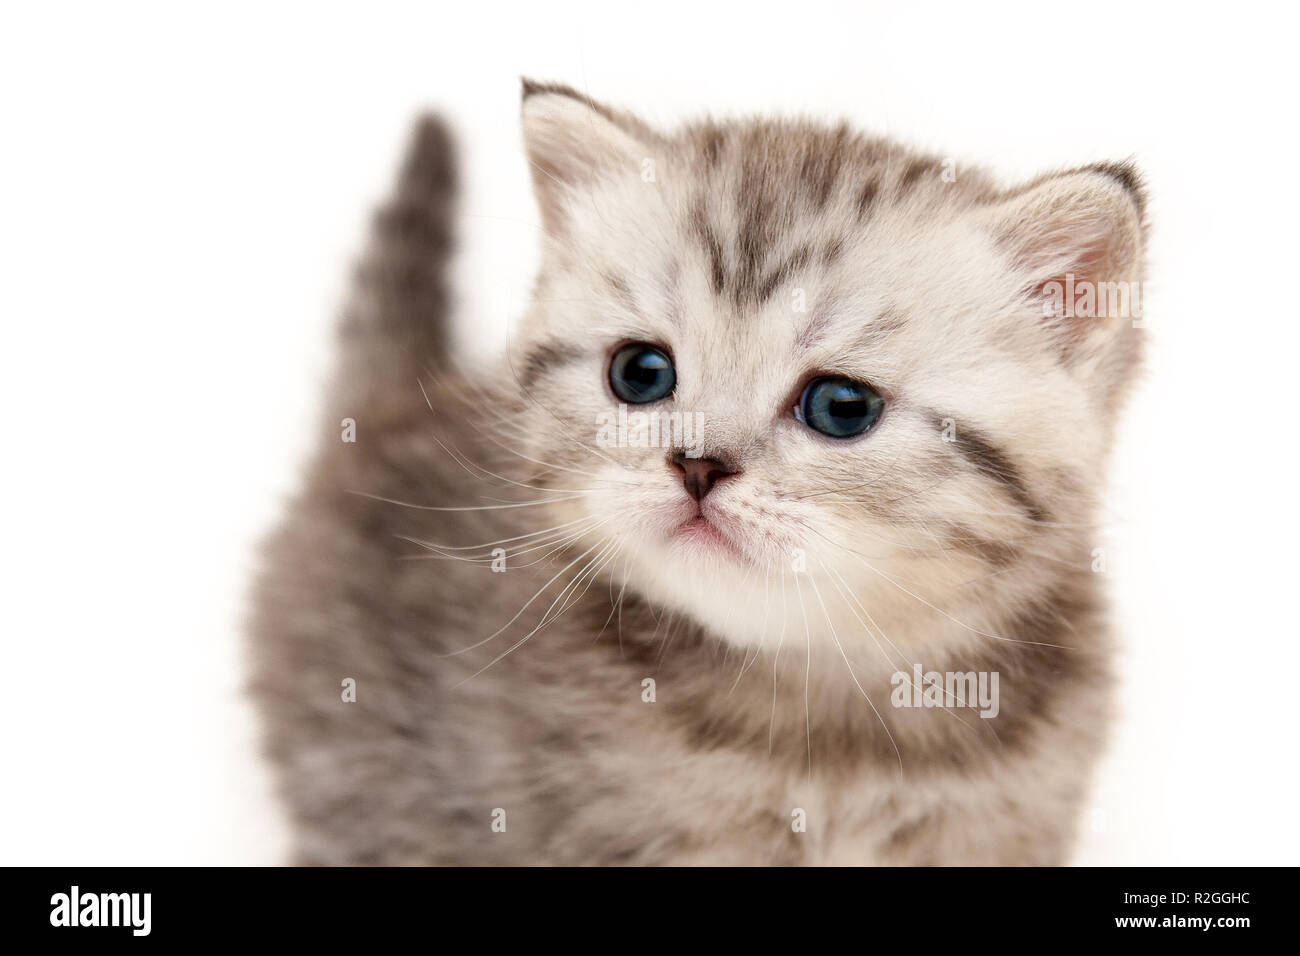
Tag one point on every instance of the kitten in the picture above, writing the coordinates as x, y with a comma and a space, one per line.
508, 625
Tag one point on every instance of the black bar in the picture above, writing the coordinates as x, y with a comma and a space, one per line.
941, 908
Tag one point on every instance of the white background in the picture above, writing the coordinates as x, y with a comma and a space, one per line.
181, 194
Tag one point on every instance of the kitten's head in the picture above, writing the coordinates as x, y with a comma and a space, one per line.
844, 347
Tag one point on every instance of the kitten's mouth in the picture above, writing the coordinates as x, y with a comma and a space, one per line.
700, 530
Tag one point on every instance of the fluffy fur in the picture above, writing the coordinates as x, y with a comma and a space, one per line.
956, 534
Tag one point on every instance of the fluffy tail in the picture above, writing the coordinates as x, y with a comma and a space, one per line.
398, 318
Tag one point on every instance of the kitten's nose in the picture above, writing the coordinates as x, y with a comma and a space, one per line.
699, 475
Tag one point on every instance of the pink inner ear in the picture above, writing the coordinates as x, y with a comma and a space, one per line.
1079, 237
1071, 293
1074, 301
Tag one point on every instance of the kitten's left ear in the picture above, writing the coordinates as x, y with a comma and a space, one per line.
573, 141
1078, 239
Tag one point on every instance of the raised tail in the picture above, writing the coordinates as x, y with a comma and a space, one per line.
398, 318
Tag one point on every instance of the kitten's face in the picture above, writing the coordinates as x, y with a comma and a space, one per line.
731, 268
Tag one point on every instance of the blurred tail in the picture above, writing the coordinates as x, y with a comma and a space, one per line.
399, 316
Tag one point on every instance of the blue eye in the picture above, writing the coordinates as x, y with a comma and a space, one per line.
839, 407
641, 373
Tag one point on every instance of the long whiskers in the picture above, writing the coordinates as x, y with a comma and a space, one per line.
520, 612
547, 617
865, 696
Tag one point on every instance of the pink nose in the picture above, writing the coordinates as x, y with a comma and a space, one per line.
699, 475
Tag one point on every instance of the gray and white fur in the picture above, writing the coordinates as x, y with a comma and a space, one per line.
505, 717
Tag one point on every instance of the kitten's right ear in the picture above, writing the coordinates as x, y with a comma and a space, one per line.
1077, 240
1085, 222
572, 141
